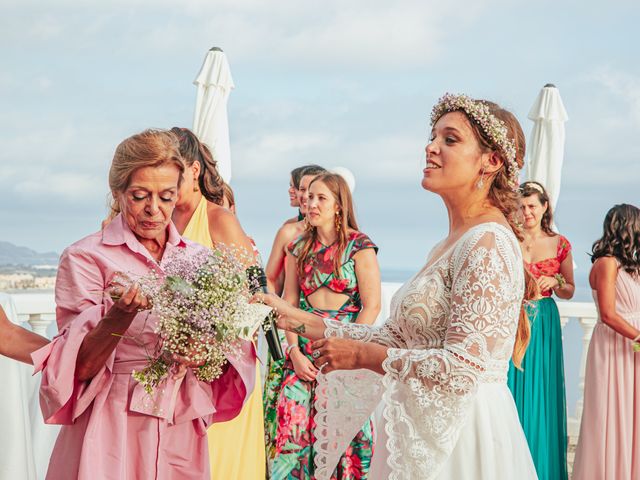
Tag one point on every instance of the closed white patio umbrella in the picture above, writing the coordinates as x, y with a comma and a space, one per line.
546, 143
210, 122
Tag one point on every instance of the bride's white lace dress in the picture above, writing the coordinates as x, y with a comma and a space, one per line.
447, 409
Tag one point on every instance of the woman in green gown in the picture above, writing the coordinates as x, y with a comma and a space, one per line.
538, 388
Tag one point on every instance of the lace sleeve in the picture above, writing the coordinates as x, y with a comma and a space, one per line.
428, 392
388, 334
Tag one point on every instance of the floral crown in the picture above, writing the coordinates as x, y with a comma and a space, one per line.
492, 126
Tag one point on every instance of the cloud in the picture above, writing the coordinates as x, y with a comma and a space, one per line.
269, 154
46, 27
622, 85
604, 118
357, 34
64, 185
393, 157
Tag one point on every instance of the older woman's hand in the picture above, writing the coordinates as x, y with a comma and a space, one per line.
281, 307
128, 299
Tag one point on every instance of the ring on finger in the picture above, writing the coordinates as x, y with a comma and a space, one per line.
316, 354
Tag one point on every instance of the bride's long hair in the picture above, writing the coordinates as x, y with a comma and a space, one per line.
502, 196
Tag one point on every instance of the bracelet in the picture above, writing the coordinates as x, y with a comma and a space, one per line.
289, 348
560, 279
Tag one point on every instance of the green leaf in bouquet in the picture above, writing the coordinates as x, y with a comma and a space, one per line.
219, 334
179, 285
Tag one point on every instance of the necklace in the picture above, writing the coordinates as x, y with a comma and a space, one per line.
529, 243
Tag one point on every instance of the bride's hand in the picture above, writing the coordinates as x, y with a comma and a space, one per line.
281, 307
336, 354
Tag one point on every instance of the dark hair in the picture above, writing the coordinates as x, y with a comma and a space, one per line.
536, 188
312, 169
345, 221
227, 192
502, 196
296, 176
193, 150
620, 238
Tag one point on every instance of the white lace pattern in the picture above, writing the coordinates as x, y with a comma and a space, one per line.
452, 327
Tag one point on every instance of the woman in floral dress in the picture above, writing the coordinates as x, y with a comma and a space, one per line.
332, 272
301, 178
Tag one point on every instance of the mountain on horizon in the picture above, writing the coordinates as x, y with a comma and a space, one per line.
11, 254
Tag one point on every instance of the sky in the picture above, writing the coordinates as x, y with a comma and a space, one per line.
335, 83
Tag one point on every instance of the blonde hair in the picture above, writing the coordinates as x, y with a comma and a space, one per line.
150, 148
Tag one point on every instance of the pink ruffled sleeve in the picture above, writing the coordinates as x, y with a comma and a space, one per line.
232, 390
79, 307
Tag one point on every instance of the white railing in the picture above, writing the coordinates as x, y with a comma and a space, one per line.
38, 310
586, 314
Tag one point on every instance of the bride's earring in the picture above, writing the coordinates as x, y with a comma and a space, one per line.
195, 184
480, 182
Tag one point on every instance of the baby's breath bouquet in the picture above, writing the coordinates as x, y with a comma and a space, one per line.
202, 308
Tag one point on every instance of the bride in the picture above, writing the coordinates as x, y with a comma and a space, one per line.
440, 362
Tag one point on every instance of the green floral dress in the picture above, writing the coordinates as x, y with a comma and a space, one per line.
272, 386
292, 453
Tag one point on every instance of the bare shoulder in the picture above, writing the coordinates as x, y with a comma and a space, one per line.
290, 231
216, 212
604, 269
490, 218
224, 225
605, 266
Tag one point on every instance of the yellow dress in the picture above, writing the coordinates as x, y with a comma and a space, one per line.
236, 447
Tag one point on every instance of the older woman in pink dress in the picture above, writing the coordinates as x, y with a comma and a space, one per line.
113, 429
609, 443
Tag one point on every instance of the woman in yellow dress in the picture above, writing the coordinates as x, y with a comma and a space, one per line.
236, 447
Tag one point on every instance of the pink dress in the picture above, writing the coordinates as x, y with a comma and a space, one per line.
111, 428
609, 443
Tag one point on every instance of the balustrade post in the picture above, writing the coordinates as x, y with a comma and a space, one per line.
39, 324
587, 324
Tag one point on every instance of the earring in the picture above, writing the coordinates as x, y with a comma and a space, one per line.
195, 184
338, 222
480, 182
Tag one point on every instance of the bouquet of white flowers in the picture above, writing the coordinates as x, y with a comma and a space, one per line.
201, 304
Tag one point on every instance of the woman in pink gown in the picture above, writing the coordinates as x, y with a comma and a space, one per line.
609, 443
113, 429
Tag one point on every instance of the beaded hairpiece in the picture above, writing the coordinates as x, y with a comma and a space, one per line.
492, 126
534, 186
